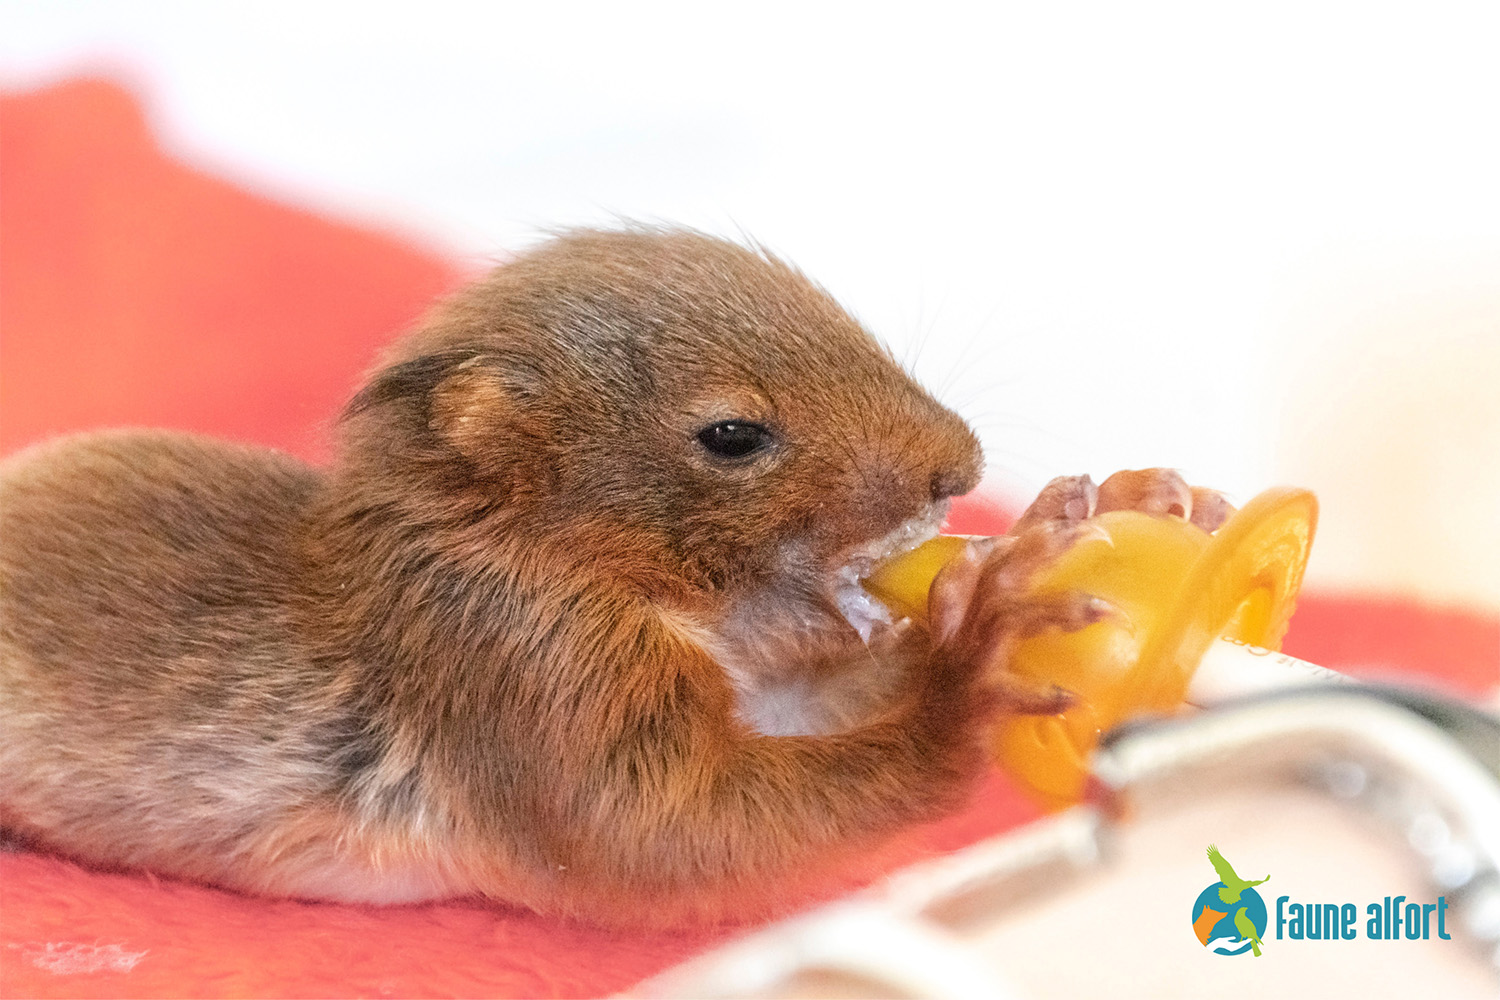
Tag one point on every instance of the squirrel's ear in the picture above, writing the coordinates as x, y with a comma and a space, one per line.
475, 403
480, 406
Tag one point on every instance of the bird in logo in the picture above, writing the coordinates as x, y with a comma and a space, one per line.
1233, 884
1247, 929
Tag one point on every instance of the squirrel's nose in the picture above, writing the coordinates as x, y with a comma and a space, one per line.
947, 483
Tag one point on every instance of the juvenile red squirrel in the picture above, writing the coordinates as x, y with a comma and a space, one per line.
564, 623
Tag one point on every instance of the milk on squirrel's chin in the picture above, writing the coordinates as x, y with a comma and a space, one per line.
858, 606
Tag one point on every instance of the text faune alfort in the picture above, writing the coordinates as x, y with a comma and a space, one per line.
1393, 919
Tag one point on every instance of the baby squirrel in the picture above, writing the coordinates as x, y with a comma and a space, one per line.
559, 625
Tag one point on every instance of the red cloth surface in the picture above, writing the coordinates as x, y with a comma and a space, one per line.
137, 291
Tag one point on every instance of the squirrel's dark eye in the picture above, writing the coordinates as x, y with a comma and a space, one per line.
734, 438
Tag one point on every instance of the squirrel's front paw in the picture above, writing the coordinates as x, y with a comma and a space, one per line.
1158, 492
981, 606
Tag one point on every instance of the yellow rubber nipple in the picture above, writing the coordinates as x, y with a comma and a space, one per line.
1177, 589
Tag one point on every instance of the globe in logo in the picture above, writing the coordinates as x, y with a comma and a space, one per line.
1229, 916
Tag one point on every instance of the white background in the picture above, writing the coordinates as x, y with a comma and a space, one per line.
1260, 243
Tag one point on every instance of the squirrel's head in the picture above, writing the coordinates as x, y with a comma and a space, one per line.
698, 404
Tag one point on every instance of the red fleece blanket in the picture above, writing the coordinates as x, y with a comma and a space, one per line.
137, 291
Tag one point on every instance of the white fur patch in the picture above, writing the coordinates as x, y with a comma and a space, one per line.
346, 880
802, 665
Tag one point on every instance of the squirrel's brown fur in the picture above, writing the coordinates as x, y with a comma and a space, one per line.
503, 644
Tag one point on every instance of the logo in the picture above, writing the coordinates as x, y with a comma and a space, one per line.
1229, 916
